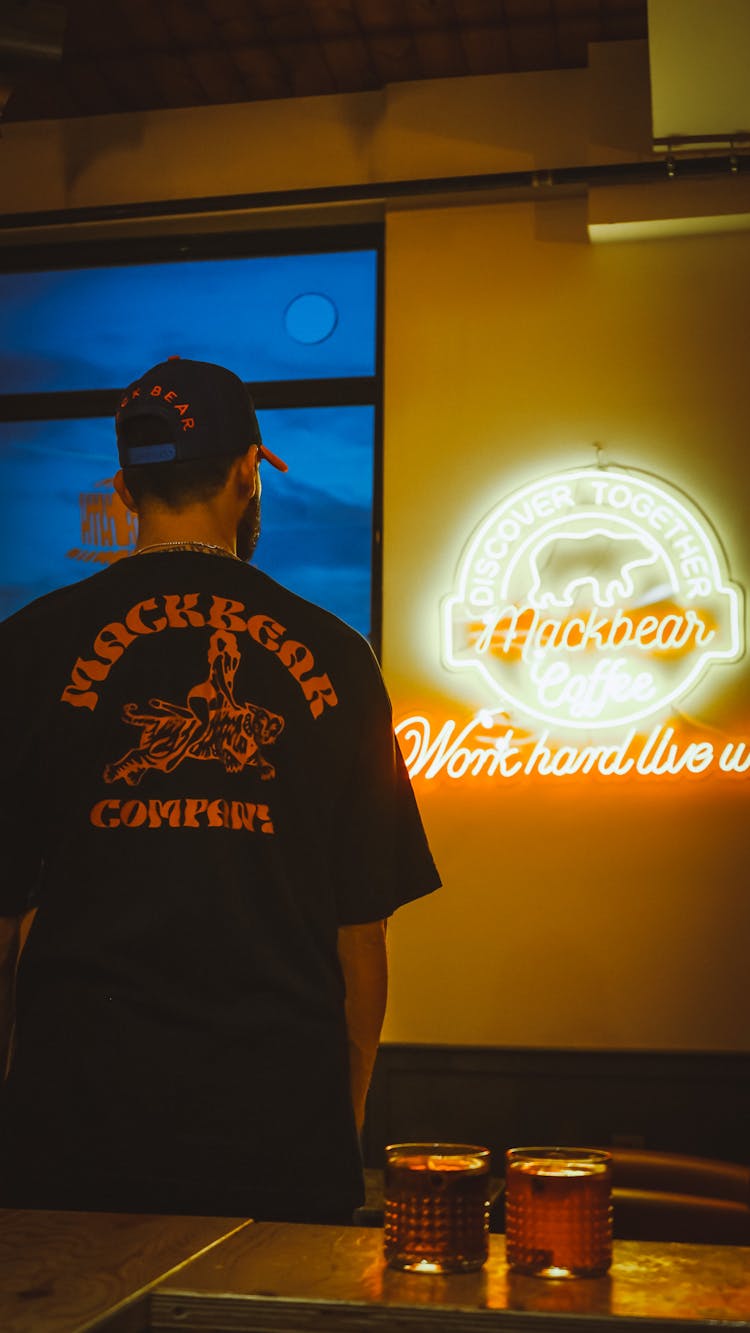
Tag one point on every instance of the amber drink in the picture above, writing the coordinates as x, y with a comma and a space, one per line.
558, 1212
436, 1207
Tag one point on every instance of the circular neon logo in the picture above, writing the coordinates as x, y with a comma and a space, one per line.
591, 599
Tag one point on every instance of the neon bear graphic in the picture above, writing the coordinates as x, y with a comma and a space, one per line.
572, 561
210, 725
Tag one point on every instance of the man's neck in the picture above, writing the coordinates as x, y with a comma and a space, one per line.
203, 523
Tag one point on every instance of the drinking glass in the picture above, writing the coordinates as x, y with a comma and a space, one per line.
436, 1207
558, 1212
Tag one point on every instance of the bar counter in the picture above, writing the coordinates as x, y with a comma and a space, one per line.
68, 1272
65, 1272
275, 1276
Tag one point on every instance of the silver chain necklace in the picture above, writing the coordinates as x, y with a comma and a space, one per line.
208, 547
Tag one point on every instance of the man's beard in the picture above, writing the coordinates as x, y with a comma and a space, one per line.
248, 528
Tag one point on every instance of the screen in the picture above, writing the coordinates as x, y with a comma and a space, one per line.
270, 318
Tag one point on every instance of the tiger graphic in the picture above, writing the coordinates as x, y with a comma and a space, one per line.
210, 725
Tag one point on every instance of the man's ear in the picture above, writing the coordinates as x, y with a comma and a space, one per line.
124, 493
246, 472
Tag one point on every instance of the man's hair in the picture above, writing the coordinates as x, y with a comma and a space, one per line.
175, 484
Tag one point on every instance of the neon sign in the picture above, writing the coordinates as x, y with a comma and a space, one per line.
487, 746
593, 599
589, 603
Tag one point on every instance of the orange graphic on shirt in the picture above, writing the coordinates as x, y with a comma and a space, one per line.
210, 725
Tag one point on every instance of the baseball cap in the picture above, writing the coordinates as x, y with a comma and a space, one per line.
207, 409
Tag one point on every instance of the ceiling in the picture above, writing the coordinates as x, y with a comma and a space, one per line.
94, 57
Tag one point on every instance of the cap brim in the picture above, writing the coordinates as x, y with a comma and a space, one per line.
273, 459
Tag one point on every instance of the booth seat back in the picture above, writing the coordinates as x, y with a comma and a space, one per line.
669, 1196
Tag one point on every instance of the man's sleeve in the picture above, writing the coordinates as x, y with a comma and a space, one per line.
19, 843
382, 858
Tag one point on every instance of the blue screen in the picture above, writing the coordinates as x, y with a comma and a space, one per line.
271, 318
62, 521
268, 318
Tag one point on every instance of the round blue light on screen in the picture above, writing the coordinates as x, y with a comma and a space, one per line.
311, 318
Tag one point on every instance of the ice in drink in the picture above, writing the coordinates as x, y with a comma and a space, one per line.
558, 1213
436, 1207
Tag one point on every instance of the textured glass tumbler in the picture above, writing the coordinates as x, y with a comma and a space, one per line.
558, 1212
436, 1207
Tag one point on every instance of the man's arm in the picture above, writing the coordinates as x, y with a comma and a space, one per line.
9, 941
364, 963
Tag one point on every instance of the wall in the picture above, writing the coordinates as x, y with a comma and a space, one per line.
574, 913
441, 128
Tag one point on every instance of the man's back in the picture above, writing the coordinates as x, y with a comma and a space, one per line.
204, 787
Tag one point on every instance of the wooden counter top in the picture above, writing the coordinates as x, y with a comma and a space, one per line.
294, 1278
66, 1272
116, 1273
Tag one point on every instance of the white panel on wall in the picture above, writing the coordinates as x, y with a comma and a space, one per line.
698, 52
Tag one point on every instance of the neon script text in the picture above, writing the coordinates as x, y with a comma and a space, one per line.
471, 751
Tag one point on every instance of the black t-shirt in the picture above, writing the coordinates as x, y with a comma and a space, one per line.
200, 785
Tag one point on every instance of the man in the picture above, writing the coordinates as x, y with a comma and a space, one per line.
203, 799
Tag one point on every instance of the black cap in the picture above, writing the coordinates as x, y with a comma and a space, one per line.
207, 409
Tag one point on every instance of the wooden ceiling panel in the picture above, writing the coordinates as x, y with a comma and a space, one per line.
394, 55
88, 86
139, 24
334, 18
573, 43
133, 55
218, 75
285, 21
622, 20
377, 16
235, 21
490, 13
487, 50
176, 79
350, 64
532, 13
433, 15
310, 75
189, 25
263, 72
532, 32
84, 31
37, 95
343, 47
441, 51
136, 82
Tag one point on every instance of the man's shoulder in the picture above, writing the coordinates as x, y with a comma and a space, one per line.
337, 647
51, 604
299, 611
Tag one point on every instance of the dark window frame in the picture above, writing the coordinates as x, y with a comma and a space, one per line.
345, 391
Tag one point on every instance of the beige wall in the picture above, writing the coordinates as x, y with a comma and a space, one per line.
577, 912
574, 913
440, 128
